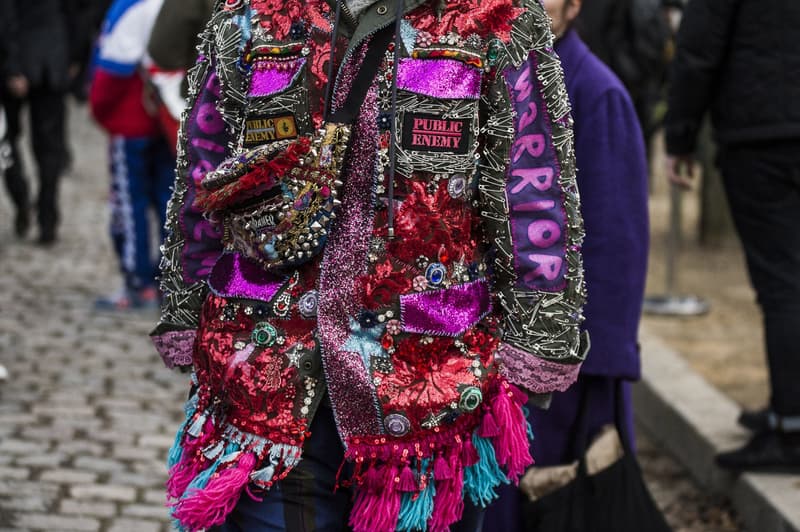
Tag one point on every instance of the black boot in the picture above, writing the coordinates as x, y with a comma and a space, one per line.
756, 420
22, 222
769, 450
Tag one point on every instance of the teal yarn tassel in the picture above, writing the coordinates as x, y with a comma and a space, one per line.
482, 478
414, 513
201, 480
176, 451
527, 413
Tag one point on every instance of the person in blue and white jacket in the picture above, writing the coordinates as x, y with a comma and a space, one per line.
142, 166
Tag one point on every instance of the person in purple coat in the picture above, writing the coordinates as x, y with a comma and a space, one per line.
612, 179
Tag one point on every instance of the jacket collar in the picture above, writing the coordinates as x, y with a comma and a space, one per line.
379, 15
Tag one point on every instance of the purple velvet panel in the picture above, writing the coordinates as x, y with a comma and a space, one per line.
272, 77
236, 276
538, 220
205, 149
446, 312
439, 78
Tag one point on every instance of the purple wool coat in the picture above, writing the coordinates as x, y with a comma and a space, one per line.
612, 179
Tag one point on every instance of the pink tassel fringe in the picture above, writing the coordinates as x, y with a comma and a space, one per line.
190, 465
511, 444
209, 507
377, 510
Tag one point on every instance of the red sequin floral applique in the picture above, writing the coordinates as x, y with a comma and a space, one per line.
487, 18
430, 225
425, 379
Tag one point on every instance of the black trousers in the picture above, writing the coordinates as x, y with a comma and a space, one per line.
47, 114
762, 182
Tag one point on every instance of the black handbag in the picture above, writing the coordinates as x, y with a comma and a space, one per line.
614, 499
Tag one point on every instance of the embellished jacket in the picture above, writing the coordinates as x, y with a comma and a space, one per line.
429, 303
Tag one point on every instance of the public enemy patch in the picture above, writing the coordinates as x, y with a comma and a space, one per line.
432, 133
263, 129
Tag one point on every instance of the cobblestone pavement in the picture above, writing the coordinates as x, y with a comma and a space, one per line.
88, 412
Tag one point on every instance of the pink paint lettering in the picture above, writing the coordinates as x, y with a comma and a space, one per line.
528, 118
531, 144
539, 178
544, 233
523, 86
548, 266
535, 206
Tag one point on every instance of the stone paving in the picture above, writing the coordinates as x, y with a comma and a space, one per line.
89, 412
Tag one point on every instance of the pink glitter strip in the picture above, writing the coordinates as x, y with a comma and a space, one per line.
270, 78
351, 392
447, 312
536, 374
439, 78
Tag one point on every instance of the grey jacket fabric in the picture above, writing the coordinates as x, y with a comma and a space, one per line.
174, 39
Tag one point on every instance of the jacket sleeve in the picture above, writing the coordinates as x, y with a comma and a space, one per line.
9, 41
192, 244
174, 37
701, 47
530, 207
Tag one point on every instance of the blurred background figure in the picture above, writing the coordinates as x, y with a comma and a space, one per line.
5, 163
632, 37
39, 59
173, 49
612, 179
740, 59
87, 25
142, 165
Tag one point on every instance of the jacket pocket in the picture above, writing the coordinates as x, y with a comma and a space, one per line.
447, 312
277, 97
437, 115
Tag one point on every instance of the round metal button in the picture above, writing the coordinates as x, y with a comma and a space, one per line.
382, 9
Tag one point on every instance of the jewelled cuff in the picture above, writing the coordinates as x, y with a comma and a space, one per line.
537, 375
175, 347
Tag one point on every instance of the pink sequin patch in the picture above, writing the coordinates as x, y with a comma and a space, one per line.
272, 77
439, 78
447, 312
236, 276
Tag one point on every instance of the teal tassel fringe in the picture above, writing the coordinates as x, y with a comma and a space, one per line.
482, 478
527, 413
176, 451
201, 480
414, 513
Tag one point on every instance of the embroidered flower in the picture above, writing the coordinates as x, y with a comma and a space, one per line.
420, 283
394, 327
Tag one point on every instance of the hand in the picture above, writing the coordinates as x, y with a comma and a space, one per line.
73, 71
680, 170
18, 85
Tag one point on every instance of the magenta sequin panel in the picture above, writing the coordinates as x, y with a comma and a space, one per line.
447, 312
236, 276
272, 77
439, 78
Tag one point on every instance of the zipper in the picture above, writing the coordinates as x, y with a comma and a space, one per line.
348, 14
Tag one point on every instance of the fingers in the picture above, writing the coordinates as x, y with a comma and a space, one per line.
680, 170
18, 86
